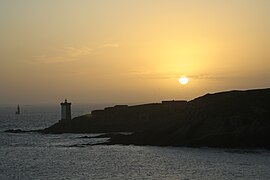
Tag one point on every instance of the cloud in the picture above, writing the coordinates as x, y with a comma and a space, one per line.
109, 45
71, 53
76, 52
206, 76
62, 55
50, 59
154, 75
172, 75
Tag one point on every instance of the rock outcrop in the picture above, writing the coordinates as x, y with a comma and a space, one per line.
226, 119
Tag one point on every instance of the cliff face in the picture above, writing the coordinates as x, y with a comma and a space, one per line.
227, 119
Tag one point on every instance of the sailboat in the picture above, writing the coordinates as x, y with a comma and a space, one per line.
18, 110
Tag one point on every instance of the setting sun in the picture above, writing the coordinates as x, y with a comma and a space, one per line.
183, 80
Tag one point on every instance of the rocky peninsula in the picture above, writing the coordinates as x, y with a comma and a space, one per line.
233, 119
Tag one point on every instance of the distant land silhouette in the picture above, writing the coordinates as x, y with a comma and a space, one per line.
225, 119
234, 119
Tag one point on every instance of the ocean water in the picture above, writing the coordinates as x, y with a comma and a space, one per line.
26, 156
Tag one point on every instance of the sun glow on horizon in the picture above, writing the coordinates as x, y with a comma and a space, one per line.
183, 80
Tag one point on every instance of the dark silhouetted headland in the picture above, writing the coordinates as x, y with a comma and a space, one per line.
227, 119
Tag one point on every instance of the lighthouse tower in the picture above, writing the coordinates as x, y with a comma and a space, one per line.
65, 110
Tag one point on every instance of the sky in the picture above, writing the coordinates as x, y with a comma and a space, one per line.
119, 51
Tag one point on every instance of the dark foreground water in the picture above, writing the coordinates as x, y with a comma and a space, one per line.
36, 156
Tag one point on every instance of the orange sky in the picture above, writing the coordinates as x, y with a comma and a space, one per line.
119, 51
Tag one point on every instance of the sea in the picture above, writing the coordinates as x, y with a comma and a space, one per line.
27, 156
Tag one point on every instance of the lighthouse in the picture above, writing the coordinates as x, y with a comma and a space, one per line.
18, 110
65, 111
